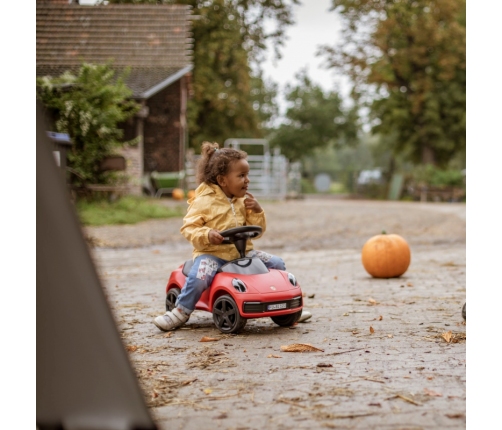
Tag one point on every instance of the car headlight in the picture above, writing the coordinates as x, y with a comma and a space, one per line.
239, 285
292, 279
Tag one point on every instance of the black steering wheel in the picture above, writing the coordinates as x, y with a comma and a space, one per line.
238, 233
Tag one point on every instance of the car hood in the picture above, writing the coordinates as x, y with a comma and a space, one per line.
272, 282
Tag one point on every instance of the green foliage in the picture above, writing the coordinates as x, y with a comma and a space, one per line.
407, 61
315, 119
89, 106
436, 177
229, 99
127, 210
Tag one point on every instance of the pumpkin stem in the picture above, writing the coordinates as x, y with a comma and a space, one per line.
384, 232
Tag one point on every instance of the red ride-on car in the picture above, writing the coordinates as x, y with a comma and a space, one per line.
243, 288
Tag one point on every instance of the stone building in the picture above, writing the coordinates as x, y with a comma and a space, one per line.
154, 42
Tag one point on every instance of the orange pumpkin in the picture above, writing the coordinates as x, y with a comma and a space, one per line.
386, 256
191, 193
178, 194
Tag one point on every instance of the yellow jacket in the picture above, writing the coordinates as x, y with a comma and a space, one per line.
211, 209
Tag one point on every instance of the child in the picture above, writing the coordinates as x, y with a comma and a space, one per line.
221, 201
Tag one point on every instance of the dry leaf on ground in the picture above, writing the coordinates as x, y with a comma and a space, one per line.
432, 393
447, 336
372, 330
300, 347
372, 301
132, 348
273, 356
209, 339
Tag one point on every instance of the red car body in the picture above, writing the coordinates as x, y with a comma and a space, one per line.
270, 293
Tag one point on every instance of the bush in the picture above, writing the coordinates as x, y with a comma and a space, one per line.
430, 175
89, 106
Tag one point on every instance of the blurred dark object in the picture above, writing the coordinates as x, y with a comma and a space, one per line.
61, 143
113, 163
84, 379
463, 312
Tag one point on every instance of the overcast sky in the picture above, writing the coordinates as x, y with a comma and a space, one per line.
314, 26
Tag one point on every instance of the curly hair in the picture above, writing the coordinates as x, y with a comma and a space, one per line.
215, 161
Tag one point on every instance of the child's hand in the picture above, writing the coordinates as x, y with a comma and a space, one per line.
251, 203
215, 237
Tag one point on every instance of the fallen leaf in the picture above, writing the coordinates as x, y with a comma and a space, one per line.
168, 334
155, 395
355, 332
335, 277
346, 314
372, 330
311, 296
390, 336
324, 365
155, 251
447, 336
380, 318
208, 390
209, 339
273, 356
300, 347
459, 415
375, 404
432, 393
372, 301
132, 348
409, 284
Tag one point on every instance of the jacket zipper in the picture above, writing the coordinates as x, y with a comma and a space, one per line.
235, 215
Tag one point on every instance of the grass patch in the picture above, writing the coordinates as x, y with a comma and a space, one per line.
127, 210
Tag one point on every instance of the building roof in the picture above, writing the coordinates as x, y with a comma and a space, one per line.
154, 41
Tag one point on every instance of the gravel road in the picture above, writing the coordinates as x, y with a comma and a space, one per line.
400, 374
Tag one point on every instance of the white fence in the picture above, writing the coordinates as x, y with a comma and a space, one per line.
268, 173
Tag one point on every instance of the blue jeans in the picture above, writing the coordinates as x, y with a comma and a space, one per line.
203, 272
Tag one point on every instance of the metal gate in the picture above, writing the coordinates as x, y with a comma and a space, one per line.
268, 173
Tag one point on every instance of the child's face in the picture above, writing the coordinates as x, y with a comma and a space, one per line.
235, 182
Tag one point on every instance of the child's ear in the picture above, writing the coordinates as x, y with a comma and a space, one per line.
221, 180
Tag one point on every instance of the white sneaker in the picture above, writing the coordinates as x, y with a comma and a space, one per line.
305, 316
171, 320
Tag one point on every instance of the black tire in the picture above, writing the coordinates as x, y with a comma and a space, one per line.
226, 315
171, 297
287, 320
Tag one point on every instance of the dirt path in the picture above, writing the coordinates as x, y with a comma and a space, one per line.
404, 375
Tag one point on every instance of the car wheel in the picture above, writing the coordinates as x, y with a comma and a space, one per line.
171, 297
226, 315
287, 320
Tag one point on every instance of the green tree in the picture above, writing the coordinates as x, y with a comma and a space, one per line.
230, 98
89, 106
314, 119
407, 61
